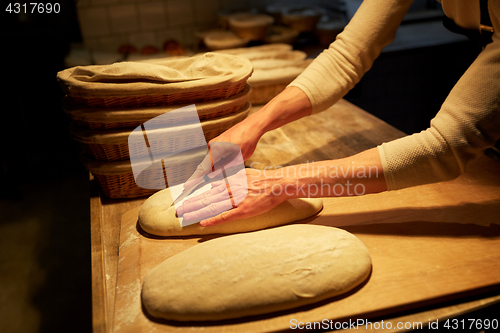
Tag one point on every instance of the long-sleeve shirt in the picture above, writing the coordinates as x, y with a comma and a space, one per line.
469, 119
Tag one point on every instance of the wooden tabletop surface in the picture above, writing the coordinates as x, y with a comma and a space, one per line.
341, 131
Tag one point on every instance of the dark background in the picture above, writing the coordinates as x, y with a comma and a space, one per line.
406, 88
44, 190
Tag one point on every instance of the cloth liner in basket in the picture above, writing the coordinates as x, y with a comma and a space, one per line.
199, 78
116, 179
251, 26
279, 60
113, 145
279, 47
220, 40
253, 55
108, 118
275, 66
281, 34
268, 82
284, 73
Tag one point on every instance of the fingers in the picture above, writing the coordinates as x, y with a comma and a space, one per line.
203, 168
211, 210
226, 194
217, 151
224, 217
216, 194
238, 185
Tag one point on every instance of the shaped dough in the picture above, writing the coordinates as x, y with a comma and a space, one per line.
256, 273
157, 217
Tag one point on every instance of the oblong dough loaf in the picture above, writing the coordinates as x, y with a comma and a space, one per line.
157, 217
256, 273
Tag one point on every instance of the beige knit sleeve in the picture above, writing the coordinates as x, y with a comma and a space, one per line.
469, 119
467, 124
336, 70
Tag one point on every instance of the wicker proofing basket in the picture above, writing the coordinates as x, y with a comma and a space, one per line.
113, 145
223, 75
302, 19
267, 83
224, 40
106, 119
116, 179
258, 56
251, 26
271, 48
278, 60
279, 34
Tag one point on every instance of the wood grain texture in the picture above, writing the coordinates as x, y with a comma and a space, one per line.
105, 235
99, 296
424, 317
438, 255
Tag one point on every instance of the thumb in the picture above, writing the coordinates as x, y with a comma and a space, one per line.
203, 168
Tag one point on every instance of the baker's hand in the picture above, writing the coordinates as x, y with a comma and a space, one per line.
238, 137
289, 105
244, 134
220, 154
214, 206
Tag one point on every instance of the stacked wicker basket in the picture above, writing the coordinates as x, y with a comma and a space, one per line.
108, 102
275, 67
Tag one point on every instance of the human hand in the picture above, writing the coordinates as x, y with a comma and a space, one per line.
220, 155
245, 134
238, 139
221, 205
289, 105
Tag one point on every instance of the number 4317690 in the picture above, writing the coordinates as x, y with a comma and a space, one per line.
33, 7
471, 324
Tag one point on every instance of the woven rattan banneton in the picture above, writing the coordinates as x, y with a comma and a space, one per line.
263, 94
116, 179
266, 87
157, 100
121, 152
251, 26
108, 119
123, 185
118, 148
203, 77
133, 124
279, 47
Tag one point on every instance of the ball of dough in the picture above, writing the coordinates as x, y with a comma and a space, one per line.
256, 273
157, 217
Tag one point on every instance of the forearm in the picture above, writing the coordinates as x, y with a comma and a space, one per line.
467, 124
291, 104
352, 176
357, 175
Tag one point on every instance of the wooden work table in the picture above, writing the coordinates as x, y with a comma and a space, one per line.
341, 131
